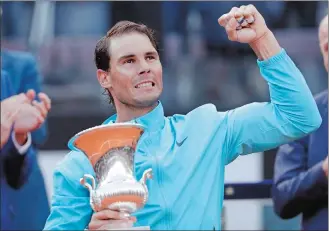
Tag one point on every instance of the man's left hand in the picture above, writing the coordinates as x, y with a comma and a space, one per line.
244, 24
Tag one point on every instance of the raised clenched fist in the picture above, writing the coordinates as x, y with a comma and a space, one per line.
244, 24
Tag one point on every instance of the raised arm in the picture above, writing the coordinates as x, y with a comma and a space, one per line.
292, 112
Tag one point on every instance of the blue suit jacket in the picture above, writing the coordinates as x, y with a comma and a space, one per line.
300, 185
29, 214
15, 168
24, 75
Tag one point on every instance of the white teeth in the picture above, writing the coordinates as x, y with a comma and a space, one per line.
148, 84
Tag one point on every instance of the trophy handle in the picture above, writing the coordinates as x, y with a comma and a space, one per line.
85, 183
146, 175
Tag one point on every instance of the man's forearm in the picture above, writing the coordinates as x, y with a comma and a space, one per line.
17, 162
17, 167
266, 46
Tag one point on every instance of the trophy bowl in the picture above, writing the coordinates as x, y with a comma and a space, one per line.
110, 150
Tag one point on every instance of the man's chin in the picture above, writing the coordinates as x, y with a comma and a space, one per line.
147, 103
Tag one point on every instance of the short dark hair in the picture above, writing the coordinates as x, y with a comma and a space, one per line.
102, 52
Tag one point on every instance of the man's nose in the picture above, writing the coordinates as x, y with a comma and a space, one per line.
144, 68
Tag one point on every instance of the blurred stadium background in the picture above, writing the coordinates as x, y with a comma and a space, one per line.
200, 65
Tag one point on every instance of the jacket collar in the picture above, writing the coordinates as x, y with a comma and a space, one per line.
152, 121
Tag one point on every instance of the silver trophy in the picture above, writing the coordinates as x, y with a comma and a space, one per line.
110, 149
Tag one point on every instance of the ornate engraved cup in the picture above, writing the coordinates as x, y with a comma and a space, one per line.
110, 149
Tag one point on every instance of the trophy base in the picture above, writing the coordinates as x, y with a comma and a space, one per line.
134, 228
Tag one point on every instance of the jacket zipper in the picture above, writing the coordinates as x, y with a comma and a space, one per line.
167, 215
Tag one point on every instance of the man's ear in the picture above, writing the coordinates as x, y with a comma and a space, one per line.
104, 78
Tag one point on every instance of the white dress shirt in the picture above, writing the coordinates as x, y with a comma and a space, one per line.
22, 149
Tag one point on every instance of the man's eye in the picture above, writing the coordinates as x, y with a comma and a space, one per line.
129, 61
150, 58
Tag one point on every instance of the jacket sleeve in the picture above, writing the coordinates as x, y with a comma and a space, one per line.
296, 188
18, 167
70, 206
291, 113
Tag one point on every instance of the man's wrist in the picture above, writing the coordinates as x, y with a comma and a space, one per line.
22, 148
266, 46
21, 138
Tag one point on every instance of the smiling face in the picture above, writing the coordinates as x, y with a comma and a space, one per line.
135, 74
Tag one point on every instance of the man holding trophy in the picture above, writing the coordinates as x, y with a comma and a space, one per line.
142, 170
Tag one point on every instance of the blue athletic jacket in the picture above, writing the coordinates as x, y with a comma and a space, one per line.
188, 154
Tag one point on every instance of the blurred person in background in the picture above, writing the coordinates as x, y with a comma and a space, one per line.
21, 114
198, 145
301, 167
24, 74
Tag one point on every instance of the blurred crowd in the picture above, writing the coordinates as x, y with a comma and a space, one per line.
191, 42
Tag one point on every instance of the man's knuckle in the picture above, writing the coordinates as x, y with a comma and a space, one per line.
232, 10
94, 216
110, 214
230, 37
250, 6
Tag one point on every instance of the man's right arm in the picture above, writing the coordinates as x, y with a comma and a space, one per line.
70, 207
296, 188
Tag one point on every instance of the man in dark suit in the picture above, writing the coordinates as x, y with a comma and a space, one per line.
301, 167
20, 115
24, 74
